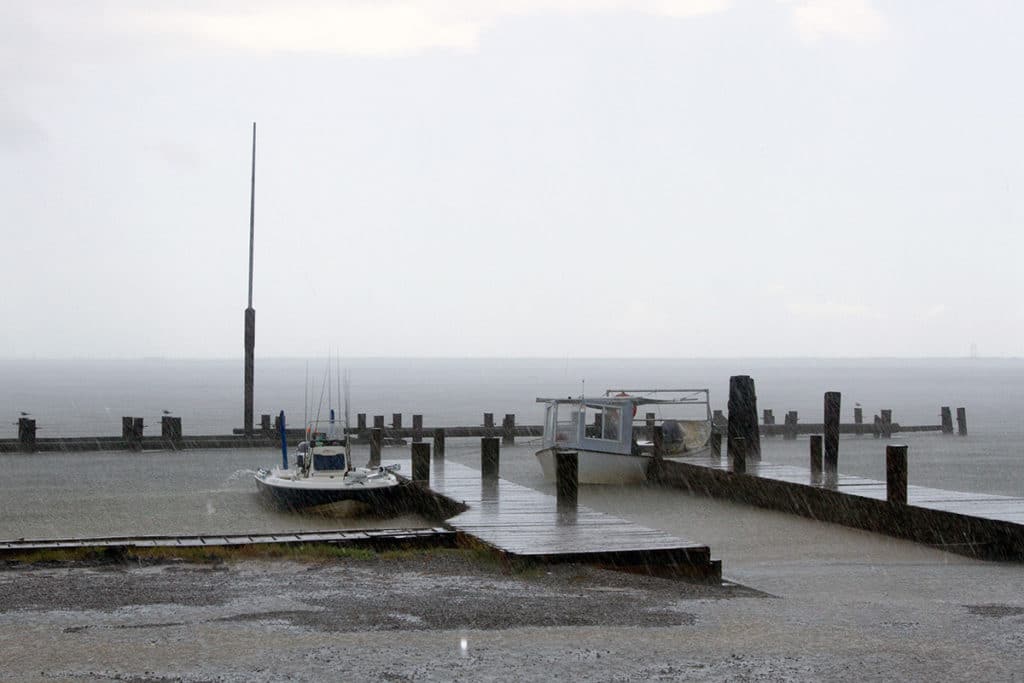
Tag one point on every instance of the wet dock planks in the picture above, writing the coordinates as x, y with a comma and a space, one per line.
520, 522
373, 537
983, 525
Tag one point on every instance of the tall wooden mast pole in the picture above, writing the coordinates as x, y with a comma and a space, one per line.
250, 314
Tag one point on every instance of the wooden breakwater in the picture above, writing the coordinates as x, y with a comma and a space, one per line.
172, 437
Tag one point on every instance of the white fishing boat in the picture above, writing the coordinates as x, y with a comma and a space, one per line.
321, 473
614, 437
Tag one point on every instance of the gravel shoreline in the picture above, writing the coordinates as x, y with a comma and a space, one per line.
446, 615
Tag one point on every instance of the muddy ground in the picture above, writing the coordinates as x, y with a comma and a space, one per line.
450, 615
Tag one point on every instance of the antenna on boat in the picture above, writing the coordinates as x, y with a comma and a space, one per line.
305, 401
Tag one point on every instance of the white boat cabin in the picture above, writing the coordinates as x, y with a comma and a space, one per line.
608, 424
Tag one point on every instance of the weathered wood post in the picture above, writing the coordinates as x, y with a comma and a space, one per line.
396, 420
858, 420
833, 400
508, 430
170, 428
816, 458
876, 428
716, 444
27, 435
361, 422
439, 442
490, 449
264, 425
769, 421
738, 453
790, 429
649, 421
961, 421
567, 482
417, 428
896, 474
489, 424
131, 432
718, 418
743, 415
947, 420
421, 463
886, 423
378, 422
376, 439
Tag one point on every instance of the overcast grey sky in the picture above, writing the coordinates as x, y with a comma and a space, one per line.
525, 178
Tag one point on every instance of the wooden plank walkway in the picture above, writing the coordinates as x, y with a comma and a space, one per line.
382, 537
977, 524
520, 522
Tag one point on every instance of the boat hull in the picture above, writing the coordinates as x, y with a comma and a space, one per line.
381, 499
595, 467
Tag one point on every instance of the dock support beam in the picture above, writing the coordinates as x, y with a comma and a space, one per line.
508, 430
961, 421
567, 481
738, 454
743, 415
816, 458
490, 449
421, 463
896, 474
716, 444
27, 435
886, 423
417, 428
376, 438
833, 400
947, 420
439, 442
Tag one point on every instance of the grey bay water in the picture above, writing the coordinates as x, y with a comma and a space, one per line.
211, 491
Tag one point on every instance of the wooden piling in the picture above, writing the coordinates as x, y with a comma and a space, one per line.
27, 435
396, 420
790, 426
170, 428
566, 479
876, 427
896, 474
947, 420
417, 428
743, 415
649, 419
858, 420
886, 423
833, 399
421, 463
376, 439
490, 450
716, 444
439, 442
131, 432
378, 422
738, 454
816, 457
961, 421
769, 420
489, 424
361, 422
264, 424
508, 430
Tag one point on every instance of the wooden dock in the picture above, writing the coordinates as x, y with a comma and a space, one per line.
980, 525
376, 538
522, 523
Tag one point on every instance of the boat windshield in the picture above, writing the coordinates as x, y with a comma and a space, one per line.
328, 462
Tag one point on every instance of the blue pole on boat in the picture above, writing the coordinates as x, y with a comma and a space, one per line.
284, 443
332, 419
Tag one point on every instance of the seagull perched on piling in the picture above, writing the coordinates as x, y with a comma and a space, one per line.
167, 412
24, 414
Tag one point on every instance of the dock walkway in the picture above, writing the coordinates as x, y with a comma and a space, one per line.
977, 524
520, 522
